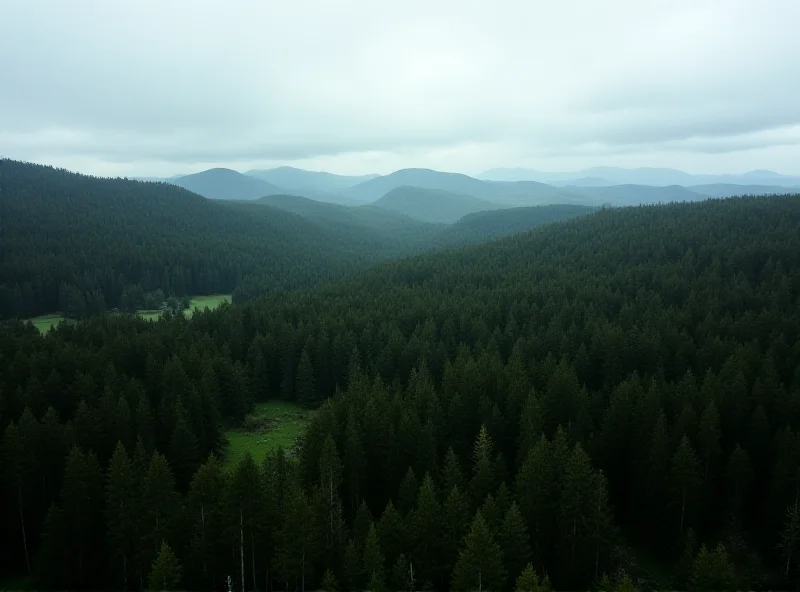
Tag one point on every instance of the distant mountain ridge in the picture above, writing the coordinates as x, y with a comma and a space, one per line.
432, 205
226, 184
640, 176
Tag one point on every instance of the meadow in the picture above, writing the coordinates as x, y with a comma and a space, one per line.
46, 322
272, 424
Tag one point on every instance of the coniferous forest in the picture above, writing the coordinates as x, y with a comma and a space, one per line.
605, 402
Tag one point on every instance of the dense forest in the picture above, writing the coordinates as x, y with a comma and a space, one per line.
82, 245
541, 411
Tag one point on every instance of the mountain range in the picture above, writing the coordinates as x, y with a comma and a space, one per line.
437, 197
603, 176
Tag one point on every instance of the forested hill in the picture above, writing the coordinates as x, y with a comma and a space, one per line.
573, 397
77, 244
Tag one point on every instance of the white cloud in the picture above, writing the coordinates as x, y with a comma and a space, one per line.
157, 87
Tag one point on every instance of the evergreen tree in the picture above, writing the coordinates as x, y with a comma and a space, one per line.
480, 563
166, 571
452, 475
329, 582
713, 570
206, 518
790, 537
121, 514
373, 562
483, 468
305, 388
392, 533
183, 452
536, 495
409, 489
513, 541
426, 525
351, 567
685, 477
528, 580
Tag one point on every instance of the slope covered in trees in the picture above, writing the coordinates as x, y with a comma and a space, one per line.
483, 226
81, 244
225, 184
629, 377
432, 205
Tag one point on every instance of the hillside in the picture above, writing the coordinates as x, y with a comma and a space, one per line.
505, 194
640, 176
404, 232
629, 195
484, 226
102, 237
730, 190
568, 396
225, 184
298, 179
432, 205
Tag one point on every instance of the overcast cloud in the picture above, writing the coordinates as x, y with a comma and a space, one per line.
159, 87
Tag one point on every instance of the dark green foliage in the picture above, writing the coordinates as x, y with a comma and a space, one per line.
166, 571
713, 570
480, 564
631, 368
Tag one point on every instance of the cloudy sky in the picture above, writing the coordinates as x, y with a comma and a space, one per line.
160, 87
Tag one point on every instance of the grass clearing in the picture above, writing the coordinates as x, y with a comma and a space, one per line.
46, 322
270, 425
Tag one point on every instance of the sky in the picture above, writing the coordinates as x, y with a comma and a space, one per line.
157, 87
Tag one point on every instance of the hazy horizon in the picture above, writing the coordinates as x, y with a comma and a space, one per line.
160, 89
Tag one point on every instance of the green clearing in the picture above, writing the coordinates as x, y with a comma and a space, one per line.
46, 322
270, 425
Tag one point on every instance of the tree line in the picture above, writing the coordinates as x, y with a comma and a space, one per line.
569, 399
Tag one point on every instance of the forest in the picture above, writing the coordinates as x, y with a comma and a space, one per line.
84, 245
605, 402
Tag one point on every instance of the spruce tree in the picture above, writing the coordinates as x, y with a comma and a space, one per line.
373, 561
166, 570
480, 563
426, 525
482, 482
513, 539
685, 477
713, 570
351, 568
120, 513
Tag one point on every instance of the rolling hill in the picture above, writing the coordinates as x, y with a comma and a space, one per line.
506, 194
629, 195
104, 237
432, 205
403, 232
730, 189
640, 176
225, 184
296, 179
484, 226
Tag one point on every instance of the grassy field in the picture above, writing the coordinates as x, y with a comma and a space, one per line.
275, 423
46, 322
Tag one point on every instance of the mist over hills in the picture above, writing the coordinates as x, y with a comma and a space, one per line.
433, 205
226, 184
638, 176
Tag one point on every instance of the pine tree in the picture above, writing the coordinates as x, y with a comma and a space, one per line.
709, 438
330, 478
482, 482
739, 478
246, 502
18, 466
455, 521
183, 452
685, 477
166, 571
392, 533
296, 539
355, 464
329, 582
400, 579
513, 541
351, 568
790, 537
121, 513
409, 489
373, 562
426, 525
158, 511
536, 493
480, 563
713, 570
528, 580
361, 525
452, 475
81, 497
206, 517
305, 388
